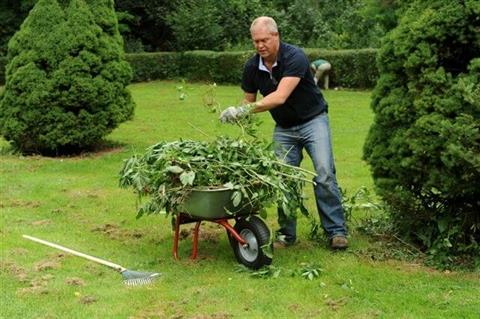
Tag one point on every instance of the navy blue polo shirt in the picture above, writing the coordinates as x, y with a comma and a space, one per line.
306, 100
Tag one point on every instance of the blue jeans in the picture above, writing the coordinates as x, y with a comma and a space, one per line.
314, 136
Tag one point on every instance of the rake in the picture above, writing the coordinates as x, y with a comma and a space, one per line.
130, 277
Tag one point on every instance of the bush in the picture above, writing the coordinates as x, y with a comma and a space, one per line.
424, 145
66, 79
154, 66
209, 66
221, 67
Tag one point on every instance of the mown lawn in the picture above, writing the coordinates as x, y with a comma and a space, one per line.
76, 202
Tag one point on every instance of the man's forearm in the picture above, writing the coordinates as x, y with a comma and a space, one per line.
276, 98
263, 105
268, 102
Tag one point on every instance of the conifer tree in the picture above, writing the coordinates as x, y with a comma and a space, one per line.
424, 145
82, 74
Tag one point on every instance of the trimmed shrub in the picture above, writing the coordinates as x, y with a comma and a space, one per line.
230, 66
199, 65
424, 145
220, 67
154, 66
351, 68
65, 80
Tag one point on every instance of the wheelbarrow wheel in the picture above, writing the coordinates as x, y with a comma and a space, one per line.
257, 252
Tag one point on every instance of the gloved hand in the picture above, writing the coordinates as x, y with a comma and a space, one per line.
232, 113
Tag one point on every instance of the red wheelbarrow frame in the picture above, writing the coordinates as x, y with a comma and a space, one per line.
182, 218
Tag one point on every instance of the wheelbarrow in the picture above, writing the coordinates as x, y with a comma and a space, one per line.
250, 237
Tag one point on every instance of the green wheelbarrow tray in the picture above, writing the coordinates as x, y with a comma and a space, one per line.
215, 203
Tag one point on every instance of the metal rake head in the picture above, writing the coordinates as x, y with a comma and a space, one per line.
136, 278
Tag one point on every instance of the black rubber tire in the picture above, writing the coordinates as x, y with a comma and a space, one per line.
257, 234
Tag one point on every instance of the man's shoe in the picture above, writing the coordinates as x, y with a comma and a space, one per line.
280, 242
338, 242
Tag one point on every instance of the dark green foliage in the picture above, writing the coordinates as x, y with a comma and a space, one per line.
3, 63
339, 24
213, 25
385, 12
66, 79
424, 146
235, 19
12, 13
220, 25
104, 16
196, 25
143, 24
159, 25
26, 97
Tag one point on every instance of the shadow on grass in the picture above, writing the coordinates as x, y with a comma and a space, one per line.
100, 148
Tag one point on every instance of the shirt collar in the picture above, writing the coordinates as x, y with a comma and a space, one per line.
262, 66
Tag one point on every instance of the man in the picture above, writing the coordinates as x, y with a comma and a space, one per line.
321, 69
282, 75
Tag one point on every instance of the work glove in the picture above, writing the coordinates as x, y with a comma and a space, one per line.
232, 113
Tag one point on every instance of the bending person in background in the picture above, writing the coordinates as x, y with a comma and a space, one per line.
321, 70
281, 73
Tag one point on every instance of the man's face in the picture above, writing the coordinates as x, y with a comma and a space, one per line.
266, 42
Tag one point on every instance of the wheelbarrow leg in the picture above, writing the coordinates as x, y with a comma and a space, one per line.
195, 240
179, 220
177, 234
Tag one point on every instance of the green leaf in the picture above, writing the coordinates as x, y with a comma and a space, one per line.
187, 178
228, 185
174, 169
236, 198
442, 224
263, 213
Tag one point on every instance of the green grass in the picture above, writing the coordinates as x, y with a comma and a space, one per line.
76, 202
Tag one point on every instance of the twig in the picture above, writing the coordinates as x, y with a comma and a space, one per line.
199, 130
296, 177
407, 244
296, 167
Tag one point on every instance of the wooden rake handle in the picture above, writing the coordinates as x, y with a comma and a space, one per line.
76, 253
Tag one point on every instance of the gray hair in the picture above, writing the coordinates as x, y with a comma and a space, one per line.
266, 22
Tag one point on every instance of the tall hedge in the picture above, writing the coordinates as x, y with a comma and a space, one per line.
351, 68
65, 79
424, 145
